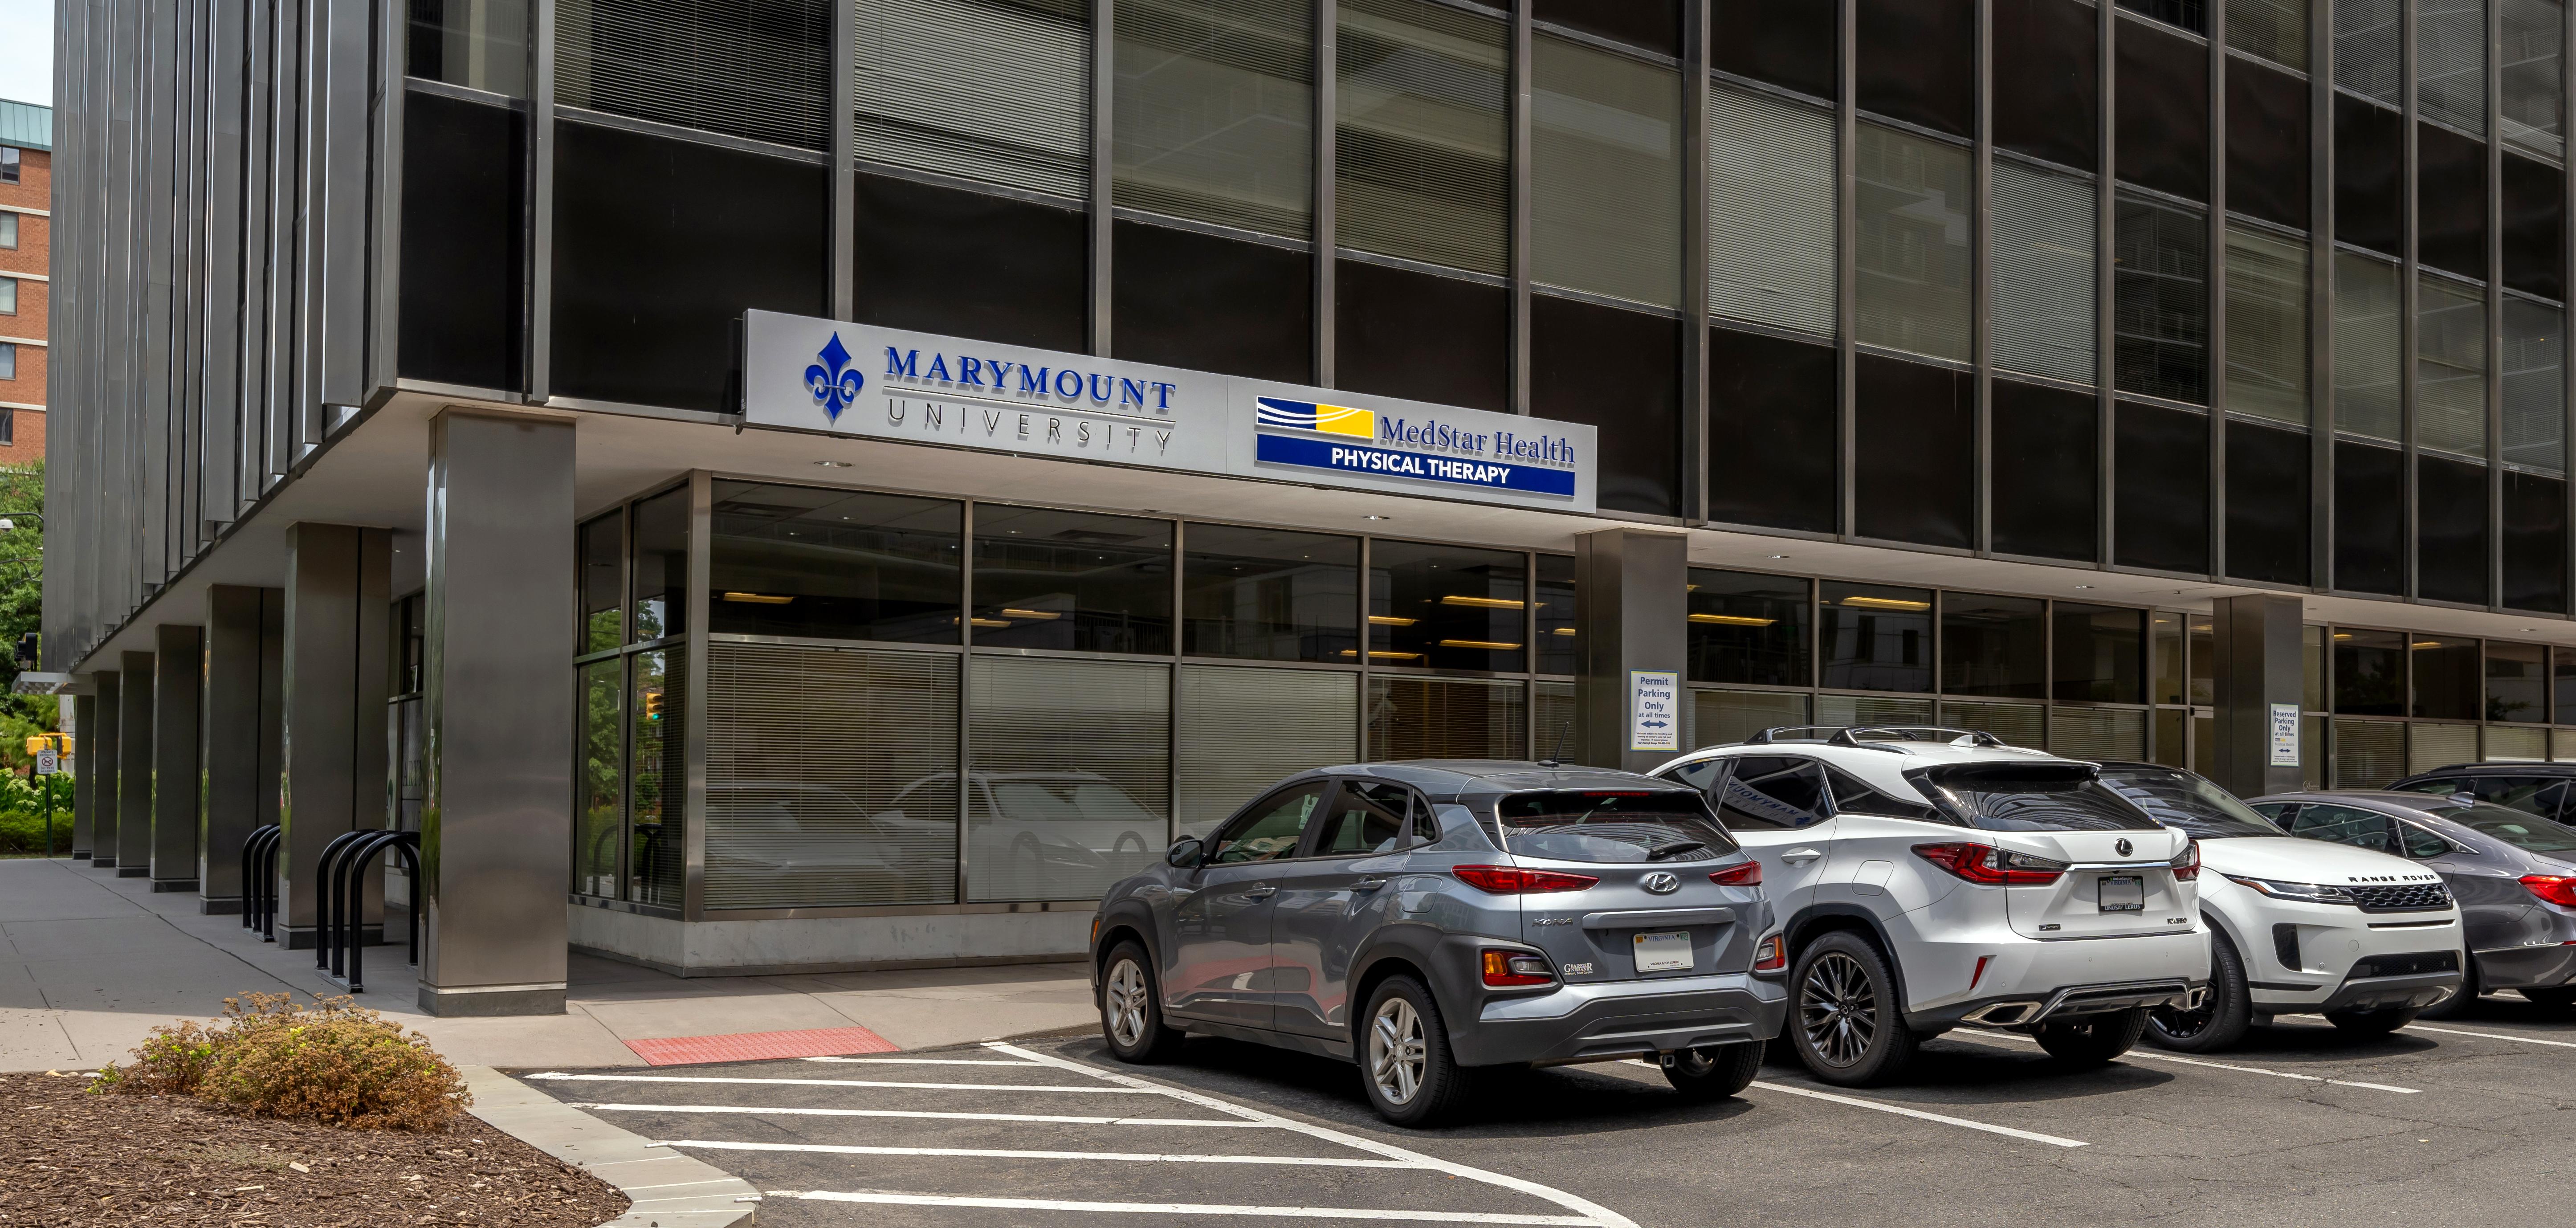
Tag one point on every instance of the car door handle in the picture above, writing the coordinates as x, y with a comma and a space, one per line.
1262, 892
1800, 855
1370, 883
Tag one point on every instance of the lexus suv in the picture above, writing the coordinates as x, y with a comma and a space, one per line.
1929, 878
1423, 919
2357, 935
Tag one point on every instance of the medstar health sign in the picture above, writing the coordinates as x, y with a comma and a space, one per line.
834, 377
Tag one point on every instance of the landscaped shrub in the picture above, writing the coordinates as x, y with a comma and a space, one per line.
331, 1062
22, 813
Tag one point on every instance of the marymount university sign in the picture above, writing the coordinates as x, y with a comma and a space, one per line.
838, 378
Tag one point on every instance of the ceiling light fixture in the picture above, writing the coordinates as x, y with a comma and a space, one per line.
1732, 620
834, 464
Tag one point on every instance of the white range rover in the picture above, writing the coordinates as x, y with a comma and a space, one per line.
1929, 878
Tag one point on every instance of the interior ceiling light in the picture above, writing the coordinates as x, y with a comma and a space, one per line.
1562, 631
1041, 615
1884, 603
1488, 645
1389, 620
758, 598
1380, 655
1485, 603
1732, 620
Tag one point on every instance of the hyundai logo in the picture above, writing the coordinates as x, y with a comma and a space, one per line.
2123, 847
1662, 883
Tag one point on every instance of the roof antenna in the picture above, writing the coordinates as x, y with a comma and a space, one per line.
1556, 758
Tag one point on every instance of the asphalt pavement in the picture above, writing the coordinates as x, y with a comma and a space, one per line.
2469, 1121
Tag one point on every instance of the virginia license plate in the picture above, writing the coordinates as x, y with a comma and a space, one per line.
2124, 893
1663, 952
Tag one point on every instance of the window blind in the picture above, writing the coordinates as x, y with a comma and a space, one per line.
1551, 717
1849, 710
831, 777
1722, 718
2368, 754
2451, 63
2368, 351
2528, 51
2450, 367
2097, 733
1771, 211
1605, 174
997, 91
1913, 239
2276, 30
758, 69
1423, 144
1243, 729
1069, 780
2535, 382
1446, 718
1215, 110
2267, 325
2508, 744
2017, 724
2044, 247
2366, 49
2432, 746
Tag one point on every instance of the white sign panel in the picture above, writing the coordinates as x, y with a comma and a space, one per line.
47, 763
839, 378
2285, 735
1654, 709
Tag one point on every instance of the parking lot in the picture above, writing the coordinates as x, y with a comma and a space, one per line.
2464, 1121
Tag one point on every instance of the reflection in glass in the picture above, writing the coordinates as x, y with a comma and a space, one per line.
602, 776
1243, 729
1446, 718
1078, 580
2450, 366
1069, 781
1994, 646
2528, 63
1746, 627
2160, 300
657, 849
2369, 672
2535, 385
1605, 173
833, 564
1720, 718
1269, 594
2562, 691
2165, 630
661, 565
1214, 116
2369, 356
603, 583
1447, 607
2445, 672
479, 44
1557, 652
2517, 682
1876, 638
2098, 653
2267, 325
1423, 140
2204, 659
1913, 237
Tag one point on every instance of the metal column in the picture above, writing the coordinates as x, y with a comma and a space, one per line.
496, 820
1631, 601
2257, 666
134, 768
334, 696
84, 767
178, 655
100, 749
236, 736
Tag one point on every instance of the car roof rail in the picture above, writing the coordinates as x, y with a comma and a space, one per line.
1788, 733
1916, 733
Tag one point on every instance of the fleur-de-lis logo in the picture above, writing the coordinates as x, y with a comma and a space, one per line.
833, 381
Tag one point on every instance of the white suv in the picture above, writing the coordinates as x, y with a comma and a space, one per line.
1929, 878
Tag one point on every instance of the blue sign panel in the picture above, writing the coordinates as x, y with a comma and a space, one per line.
1322, 453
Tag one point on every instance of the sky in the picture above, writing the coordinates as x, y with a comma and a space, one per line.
27, 51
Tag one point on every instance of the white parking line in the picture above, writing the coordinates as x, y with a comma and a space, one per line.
1902, 1111
1000, 1153
2426, 1027
923, 1061
1183, 1208
940, 1087
2143, 1055
1058, 1118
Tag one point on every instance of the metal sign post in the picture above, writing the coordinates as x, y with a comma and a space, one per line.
48, 762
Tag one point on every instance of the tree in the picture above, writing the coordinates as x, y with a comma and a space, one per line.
22, 604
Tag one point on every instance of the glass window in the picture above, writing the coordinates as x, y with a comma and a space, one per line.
1367, 818
1447, 607
759, 71
2160, 487
2369, 526
657, 849
479, 44
1271, 829
2044, 247
833, 564
1242, 729
2369, 672
1423, 144
2161, 111
1918, 61
2097, 733
2369, 191
1913, 238
2268, 503
2527, 61
2517, 682
2312, 669
1009, 106
2267, 144
2189, 14
8, 361
9, 231
1069, 775
2451, 63
1875, 638
1187, 299
1079, 580
1746, 627
602, 779
1788, 45
2562, 688
2276, 30
2368, 353
1448, 718
1720, 718
1269, 594
2267, 325
2451, 529
2044, 492
1764, 791
1774, 417
2535, 542
2160, 293
8, 164
1994, 646
603, 583
1618, 370
2534, 216
8, 296
1557, 647
1655, 25
2188, 803
2451, 201
2535, 385
2028, 797
2099, 653
2345, 825
2164, 631
1914, 455
1610, 826
1215, 112
1605, 174
661, 570
2048, 105
2446, 676
2450, 366
1771, 193
2514, 828
2367, 37
1421, 336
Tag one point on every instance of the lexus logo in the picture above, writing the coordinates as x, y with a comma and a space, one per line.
2123, 847
1662, 883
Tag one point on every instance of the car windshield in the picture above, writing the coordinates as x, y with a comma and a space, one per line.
1610, 825
2532, 835
2188, 803
2026, 796
1067, 801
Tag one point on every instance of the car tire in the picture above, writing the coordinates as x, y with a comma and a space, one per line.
2370, 1023
1131, 1008
2092, 1040
1714, 1073
1406, 1067
1845, 1020
2459, 1003
2223, 1016
2559, 998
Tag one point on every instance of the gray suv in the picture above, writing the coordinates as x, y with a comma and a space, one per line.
1425, 918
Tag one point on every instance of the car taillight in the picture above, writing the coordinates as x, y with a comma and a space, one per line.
1990, 866
2186, 864
2552, 888
1507, 969
1513, 880
1746, 875
1770, 954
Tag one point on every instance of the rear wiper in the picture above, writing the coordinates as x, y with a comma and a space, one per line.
1675, 849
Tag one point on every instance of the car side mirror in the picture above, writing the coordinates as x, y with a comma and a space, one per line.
2464, 797
1184, 853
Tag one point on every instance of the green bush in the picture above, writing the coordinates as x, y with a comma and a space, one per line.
332, 1062
22, 813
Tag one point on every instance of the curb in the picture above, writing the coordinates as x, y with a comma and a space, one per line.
669, 1190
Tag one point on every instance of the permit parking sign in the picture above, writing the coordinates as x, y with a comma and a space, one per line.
1654, 709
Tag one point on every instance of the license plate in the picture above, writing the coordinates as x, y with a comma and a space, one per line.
2124, 893
1663, 952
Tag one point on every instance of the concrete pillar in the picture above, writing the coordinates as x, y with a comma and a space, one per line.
177, 657
496, 823
1631, 608
107, 690
134, 767
237, 742
2256, 667
332, 771
84, 767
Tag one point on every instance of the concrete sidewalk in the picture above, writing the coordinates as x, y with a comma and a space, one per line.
89, 963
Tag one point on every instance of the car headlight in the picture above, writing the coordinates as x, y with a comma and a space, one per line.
2306, 893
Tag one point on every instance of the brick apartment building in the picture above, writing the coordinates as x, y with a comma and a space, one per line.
26, 221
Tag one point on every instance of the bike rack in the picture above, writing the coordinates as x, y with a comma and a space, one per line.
259, 881
326, 913
347, 886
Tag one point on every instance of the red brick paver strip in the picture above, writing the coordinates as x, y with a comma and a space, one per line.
754, 1046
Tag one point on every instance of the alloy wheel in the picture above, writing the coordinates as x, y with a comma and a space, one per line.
1838, 1009
1125, 995
2182, 1024
1396, 1051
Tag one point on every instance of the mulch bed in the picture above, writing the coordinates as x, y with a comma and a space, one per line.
70, 1158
